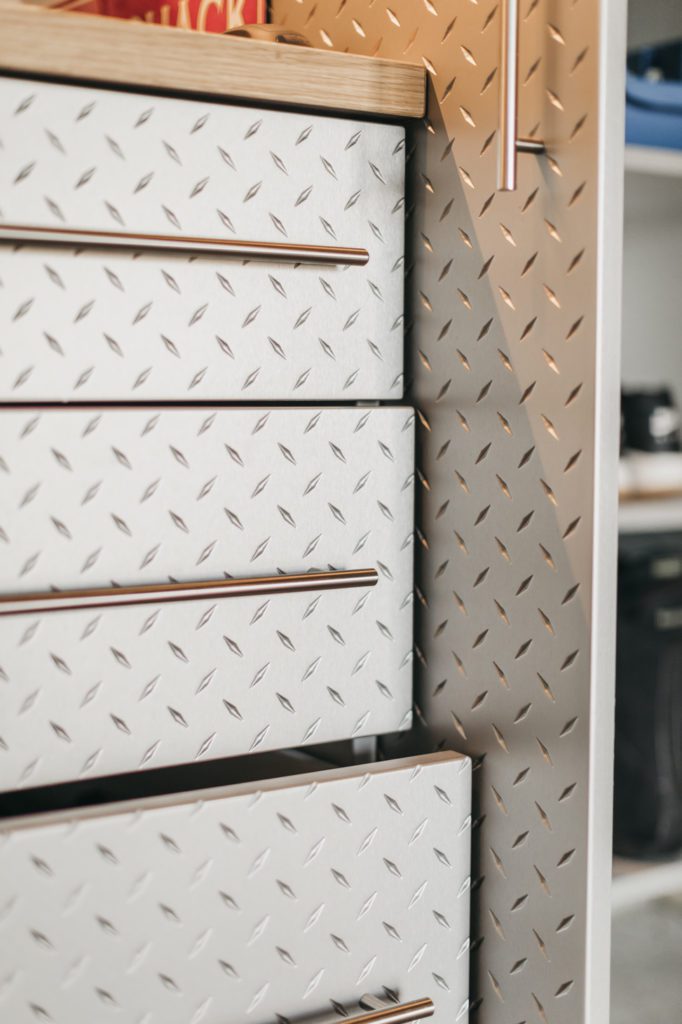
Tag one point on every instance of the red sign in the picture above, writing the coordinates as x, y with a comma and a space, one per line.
200, 15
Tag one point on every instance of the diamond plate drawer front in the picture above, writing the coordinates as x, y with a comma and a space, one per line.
287, 900
95, 497
95, 324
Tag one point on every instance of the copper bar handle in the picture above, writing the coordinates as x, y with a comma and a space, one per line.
510, 145
401, 1013
107, 597
186, 244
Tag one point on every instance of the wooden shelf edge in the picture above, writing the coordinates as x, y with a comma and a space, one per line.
117, 52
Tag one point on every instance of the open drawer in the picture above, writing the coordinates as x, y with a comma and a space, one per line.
154, 248
289, 900
179, 584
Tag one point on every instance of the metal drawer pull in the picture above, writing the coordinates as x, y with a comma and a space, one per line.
106, 597
510, 144
279, 251
402, 1014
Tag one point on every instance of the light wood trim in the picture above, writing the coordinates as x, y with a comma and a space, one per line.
37, 41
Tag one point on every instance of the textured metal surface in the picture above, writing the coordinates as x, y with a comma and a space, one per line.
286, 904
91, 497
502, 329
85, 325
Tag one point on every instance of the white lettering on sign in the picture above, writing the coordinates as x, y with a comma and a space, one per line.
235, 13
204, 7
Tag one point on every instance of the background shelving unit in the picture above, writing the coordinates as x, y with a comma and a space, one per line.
652, 311
645, 895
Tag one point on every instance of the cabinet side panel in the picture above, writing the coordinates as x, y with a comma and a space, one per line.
503, 323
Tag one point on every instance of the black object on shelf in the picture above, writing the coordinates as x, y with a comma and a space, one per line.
650, 420
648, 752
657, 63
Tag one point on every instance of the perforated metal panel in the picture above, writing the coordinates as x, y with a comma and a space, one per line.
287, 900
84, 325
503, 360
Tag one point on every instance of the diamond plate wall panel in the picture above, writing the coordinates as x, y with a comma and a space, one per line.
281, 904
129, 496
89, 325
501, 308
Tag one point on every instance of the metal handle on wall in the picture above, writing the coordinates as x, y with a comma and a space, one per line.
403, 1013
510, 145
107, 597
277, 251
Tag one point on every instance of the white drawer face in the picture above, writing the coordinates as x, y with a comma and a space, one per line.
98, 324
291, 902
144, 496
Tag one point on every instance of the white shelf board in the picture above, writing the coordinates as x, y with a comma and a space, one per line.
636, 883
665, 163
650, 516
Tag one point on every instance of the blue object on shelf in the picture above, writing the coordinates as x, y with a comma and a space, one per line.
654, 104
